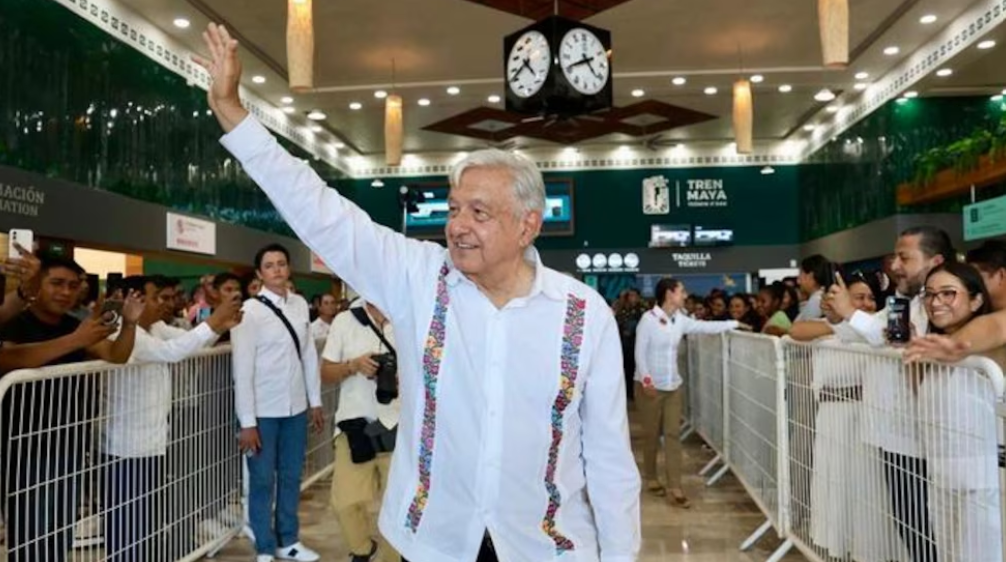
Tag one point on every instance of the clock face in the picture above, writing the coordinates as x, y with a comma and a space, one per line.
584, 61
528, 64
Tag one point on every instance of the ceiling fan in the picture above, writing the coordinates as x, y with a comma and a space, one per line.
551, 119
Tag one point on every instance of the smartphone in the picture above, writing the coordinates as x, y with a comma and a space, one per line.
20, 236
899, 326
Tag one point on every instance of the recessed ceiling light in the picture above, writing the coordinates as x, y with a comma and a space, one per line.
286, 100
910, 95
258, 79
1004, 92
927, 19
891, 51
356, 106
710, 91
316, 115
757, 79
380, 94
493, 99
785, 88
316, 129
289, 109
767, 171
423, 102
997, 97
453, 90
862, 75
901, 100
832, 109
861, 86
339, 145
182, 23
809, 128
944, 72
637, 93
824, 95
679, 81
987, 44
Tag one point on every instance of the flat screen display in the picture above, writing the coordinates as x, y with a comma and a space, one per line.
670, 236
705, 236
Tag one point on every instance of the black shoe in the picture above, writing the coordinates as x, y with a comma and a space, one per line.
367, 558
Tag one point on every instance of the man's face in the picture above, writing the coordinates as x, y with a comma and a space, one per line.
59, 291
485, 227
329, 306
230, 290
159, 302
274, 271
995, 282
911, 266
805, 281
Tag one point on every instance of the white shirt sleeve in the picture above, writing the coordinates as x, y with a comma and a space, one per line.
333, 351
869, 327
644, 334
312, 372
372, 259
692, 326
153, 350
243, 365
613, 481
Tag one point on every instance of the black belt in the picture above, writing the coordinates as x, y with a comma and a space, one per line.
841, 394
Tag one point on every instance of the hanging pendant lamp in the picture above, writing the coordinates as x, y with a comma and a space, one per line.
833, 19
300, 45
393, 130
743, 116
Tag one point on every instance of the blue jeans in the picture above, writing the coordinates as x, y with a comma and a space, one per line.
277, 468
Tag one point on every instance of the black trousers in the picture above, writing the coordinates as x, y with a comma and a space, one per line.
906, 483
487, 553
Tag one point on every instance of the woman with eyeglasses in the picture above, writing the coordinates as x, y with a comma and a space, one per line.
848, 495
958, 421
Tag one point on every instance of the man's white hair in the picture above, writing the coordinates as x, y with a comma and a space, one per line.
528, 185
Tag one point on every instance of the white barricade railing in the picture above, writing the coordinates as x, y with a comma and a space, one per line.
853, 455
705, 364
131, 462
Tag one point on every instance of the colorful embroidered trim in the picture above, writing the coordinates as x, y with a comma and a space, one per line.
572, 340
431, 370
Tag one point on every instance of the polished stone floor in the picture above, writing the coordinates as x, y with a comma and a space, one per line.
720, 518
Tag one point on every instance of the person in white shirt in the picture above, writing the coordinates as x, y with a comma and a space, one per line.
277, 391
513, 401
816, 274
891, 420
136, 432
365, 426
658, 382
327, 310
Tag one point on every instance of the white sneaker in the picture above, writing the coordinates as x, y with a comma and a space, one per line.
297, 552
264, 558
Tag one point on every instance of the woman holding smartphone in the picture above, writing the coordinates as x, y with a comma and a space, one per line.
658, 382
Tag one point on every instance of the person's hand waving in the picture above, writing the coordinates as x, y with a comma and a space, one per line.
224, 68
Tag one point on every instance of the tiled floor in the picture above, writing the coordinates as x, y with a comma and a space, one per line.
720, 518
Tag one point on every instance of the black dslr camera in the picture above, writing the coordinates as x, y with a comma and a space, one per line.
387, 377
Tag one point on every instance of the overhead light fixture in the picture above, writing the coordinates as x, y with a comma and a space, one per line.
785, 88
637, 93
911, 95
862, 75
377, 183
832, 109
356, 106
258, 79
861, 86
944, 72
710, 91
423, 102
757, 79
825, 95
339, 145
300, 45
1004, 92
810, 128
493, 99
316, 115
316, 129
833, 24
891, 51
289, 109
380, 94
927, 19
743, 116
901, 100
453, 90
767, 171
182, 23
679, 81
393, 130
286, 100
987, 44
997, 97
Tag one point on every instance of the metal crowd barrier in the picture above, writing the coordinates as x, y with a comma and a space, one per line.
854, 456
706, 397
130, 463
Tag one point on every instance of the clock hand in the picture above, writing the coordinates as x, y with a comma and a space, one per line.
520, 69
582, 61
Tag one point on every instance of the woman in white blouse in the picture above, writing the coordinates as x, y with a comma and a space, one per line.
958, 421
658, 382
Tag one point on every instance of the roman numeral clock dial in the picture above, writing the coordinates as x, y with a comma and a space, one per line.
584, 61
528, 64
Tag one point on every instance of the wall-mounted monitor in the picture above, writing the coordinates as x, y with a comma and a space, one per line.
670, 236
705, 236
431, 217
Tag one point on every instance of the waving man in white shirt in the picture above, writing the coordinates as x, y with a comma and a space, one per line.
512, 398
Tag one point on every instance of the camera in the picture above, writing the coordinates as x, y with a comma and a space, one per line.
387, 377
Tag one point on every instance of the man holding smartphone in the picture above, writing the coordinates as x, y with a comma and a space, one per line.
888, 396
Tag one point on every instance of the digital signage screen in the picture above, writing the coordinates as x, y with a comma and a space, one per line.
705, 236
670, 236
